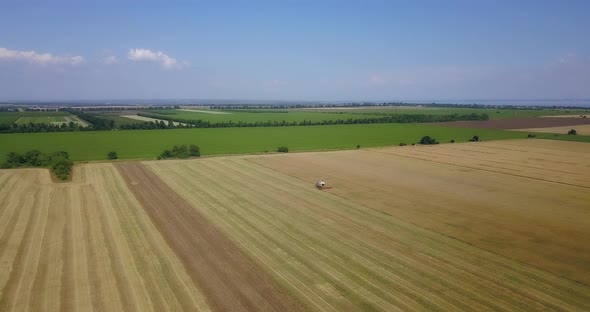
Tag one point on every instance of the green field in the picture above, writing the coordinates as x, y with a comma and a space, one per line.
11, 117
46, 120
493, 113
251, 116
94, 145
118, 119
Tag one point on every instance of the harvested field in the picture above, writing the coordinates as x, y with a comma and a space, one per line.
580, 129
518, 123
525, 199
449, 227
82, 246
336, 254
230, 280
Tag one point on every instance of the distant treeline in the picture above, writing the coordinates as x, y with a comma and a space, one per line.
405, 118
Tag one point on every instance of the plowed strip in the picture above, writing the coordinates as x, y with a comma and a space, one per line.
228, 277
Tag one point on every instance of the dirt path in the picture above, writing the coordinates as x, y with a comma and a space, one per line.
230, 280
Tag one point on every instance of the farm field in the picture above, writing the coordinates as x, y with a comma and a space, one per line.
580, 129
523, 199
518, 123
247, 233
85, 245
252, 116
134, 144
147, 119
119, 120
12, 117
56, 120
493, 113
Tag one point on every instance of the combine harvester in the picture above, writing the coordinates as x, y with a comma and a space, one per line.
321, 185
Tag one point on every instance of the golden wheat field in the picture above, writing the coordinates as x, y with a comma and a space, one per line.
498, 226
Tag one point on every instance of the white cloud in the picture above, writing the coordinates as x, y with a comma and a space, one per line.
110, 60
39, 58
148, 55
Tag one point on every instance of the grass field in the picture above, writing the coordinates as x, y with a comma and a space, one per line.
150, 143
249, 116
493, 113
446, 227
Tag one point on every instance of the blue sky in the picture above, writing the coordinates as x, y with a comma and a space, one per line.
294, 50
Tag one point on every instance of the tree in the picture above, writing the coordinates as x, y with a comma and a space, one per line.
283, 149
475, 138
194, 151
112, 155
428, 140
572, 132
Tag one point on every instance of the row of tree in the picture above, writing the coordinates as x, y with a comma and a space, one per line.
59, 162
366, 119
39, 127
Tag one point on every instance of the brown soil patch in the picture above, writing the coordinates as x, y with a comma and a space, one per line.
230, 280
518, 123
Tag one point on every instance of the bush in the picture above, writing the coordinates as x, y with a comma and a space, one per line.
428, 140
180, 151
166, 154
531, 135
475, 138
358, 146
572, 132
402, 144
283, 149
452, 140
194, 151
112, 155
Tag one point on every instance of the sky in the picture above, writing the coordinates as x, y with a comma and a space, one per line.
294, 50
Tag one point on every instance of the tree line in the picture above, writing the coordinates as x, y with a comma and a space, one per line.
58, 162
403, 118
97, 123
